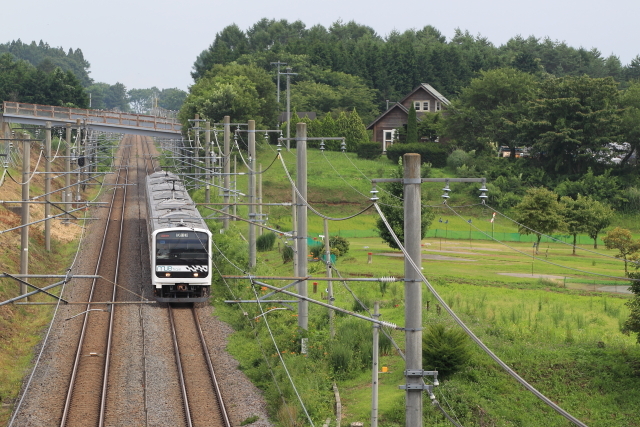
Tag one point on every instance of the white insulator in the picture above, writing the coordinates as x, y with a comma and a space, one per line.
389, 324
387, 279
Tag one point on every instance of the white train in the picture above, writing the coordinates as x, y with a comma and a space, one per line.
179, 242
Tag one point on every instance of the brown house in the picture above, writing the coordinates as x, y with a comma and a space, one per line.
425, 99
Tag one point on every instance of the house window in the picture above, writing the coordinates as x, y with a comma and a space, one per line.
387, 139
425, 105
417, 105
437, 106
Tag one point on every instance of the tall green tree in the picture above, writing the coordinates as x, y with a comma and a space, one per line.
491, 110
572, 121
540, 213
412, 126
622, 240
584, 215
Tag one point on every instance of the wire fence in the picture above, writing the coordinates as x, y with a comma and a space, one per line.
507, 237
438, 233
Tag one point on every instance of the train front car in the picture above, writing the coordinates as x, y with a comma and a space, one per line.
179, 242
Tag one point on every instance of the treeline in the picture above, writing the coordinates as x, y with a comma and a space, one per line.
395, 64
47, 58
22, 82
40, 74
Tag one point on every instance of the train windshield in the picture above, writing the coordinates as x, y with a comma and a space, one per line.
182, 247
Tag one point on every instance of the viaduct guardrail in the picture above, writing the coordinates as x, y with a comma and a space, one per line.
107, 121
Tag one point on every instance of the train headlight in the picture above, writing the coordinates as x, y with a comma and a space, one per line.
167, 274
195, 274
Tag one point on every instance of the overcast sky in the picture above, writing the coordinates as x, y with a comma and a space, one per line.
145, 43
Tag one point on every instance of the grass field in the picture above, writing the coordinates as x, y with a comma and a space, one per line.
555, 319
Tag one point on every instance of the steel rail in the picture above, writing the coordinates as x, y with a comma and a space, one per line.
183, 386
105, 378
85, 323
216, 387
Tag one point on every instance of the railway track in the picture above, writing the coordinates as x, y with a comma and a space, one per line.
203, 403
114, 378
85, 402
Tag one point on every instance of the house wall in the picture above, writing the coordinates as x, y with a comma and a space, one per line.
393, 120
421, 95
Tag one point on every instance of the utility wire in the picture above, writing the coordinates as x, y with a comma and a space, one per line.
469, 332
311, 207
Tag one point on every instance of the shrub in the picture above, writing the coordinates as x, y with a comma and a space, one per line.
429, 152
265, 242
339, 243
445, 351
287, 254
458, 158
369, 150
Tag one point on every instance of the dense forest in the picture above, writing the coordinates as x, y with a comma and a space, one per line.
571, 115
393, 65
40, 74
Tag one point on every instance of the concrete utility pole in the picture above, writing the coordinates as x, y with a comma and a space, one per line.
413, 290
68, 192
24, 231
289, 74
78, 156
227, 169
301, 235
278, 92
260, 230
374, 380
252, 193
47, 186
207, 164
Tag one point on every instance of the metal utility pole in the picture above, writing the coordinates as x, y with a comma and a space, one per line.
24, 231
47, 186
413, 290
67, 193
327, 254
278, 92
207, 164
289, 74
227, 169
301, 235
374, 381
252, 193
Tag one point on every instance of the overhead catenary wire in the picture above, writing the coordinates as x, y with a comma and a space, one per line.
45, 340
302, 199
270, 333
470, 333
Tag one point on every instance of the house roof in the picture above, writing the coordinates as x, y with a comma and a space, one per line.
425, 86
396, 105
430, 90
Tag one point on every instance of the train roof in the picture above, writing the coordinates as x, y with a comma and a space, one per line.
169, 203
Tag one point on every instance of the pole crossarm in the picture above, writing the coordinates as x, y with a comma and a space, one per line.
322, 304
24, 282
482, 180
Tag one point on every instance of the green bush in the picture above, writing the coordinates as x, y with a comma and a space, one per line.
340, 243
369, 150
265, 242
444, 350
458, 158
287, 254
429, 152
